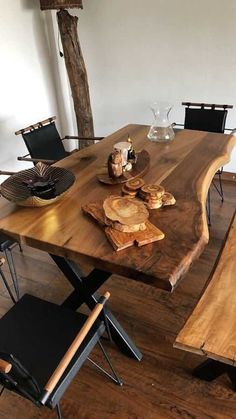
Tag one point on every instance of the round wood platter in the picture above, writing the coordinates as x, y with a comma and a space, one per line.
139, 169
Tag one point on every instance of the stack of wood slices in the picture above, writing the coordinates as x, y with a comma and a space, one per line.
125, 214
132, 187
125, 218
154, 196
125, 221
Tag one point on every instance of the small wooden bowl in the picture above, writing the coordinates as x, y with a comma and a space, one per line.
16, 191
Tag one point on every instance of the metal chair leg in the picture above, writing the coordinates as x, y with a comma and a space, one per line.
58, 410
12, 269
220, 188
7, 286
208, 207
114, 377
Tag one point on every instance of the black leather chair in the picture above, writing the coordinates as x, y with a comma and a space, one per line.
211, 118
44, 142
44, 345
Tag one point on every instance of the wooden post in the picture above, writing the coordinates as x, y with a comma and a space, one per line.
77, 74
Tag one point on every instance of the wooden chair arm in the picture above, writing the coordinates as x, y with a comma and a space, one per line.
36, 160
5, 172
75, 137
53, 380
5, 366
176, 124
74, 151
231, 130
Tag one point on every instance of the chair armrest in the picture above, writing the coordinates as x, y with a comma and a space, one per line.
74, 151
75, 137
26, 155
176, 124
36, 160
231, 130
5, 172
63, 364
5, 366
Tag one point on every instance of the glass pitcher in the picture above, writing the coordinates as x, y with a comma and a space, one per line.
161, 130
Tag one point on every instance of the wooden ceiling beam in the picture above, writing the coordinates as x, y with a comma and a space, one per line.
60, 4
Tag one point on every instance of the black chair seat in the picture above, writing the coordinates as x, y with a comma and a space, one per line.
39, 333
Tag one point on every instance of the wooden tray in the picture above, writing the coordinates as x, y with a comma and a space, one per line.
118, 239
139, 169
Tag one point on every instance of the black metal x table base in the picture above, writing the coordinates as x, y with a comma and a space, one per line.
85, 292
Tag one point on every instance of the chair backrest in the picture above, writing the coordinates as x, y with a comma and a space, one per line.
44, 142
199, 117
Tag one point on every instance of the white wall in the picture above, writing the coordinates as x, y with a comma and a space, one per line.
27, 89
138, 51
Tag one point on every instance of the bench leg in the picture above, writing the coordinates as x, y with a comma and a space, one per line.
209, 370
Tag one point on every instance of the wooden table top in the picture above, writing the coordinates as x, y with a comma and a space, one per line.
185, 167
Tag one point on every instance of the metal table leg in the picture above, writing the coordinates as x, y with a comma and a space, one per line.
85, 292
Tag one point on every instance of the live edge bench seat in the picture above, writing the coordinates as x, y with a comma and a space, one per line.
211, 329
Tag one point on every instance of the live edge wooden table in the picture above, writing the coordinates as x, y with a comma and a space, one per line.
185, 167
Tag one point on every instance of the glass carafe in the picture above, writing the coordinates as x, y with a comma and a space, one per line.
161, 130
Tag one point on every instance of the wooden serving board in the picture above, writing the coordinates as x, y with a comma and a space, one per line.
118, 239
139, 169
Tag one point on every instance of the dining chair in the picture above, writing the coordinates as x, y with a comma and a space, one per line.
211, 118
44, 142
44, 345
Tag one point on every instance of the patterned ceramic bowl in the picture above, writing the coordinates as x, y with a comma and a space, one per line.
56, 182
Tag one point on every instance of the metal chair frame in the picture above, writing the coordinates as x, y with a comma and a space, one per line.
10, 261
44, 123
51, 394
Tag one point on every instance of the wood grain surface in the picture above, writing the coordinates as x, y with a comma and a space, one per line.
185, 167
210, 330
162, 386
127, 211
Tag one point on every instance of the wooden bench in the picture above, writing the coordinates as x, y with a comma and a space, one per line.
210, 331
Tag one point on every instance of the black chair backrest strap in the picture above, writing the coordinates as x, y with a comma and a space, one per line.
44, 142
211, 120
